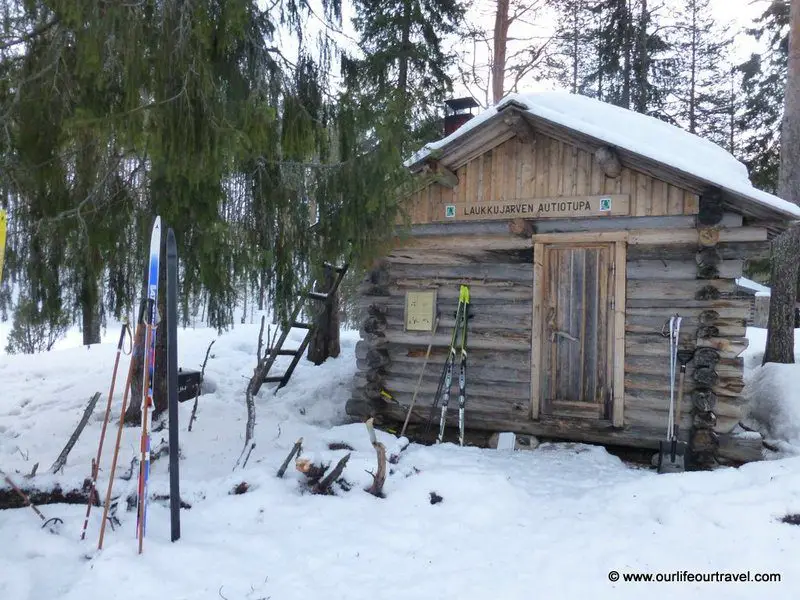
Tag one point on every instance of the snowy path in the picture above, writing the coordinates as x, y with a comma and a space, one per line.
512, 525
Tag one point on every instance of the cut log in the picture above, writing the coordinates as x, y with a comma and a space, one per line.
710, 331
607, 159
705, 376
709, 257
705, 420
324, 486
435, 172
711, 208
9, 498
706, 357
704, 440
521, 227
296, 449
710, 317
708, 236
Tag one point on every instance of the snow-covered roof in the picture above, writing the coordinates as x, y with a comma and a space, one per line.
749, 284
643, 135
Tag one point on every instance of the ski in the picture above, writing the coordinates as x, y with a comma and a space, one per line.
459, 328
172, 384
462, 376
149, 371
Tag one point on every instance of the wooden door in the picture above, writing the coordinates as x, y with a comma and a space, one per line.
577, 330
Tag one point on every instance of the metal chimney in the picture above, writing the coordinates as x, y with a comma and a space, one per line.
458, 112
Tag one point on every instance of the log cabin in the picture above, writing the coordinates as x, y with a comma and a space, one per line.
580, 229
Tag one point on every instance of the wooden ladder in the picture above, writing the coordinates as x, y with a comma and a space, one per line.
311, 327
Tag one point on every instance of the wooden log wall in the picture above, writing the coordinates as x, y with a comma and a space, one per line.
499, 272
663, 278
545, 167
695, 281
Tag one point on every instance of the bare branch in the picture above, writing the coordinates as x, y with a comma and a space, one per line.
43, 28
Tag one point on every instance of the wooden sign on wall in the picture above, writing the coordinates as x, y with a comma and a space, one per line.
577, 207
420, 310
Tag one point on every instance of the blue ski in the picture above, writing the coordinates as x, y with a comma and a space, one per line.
149, 371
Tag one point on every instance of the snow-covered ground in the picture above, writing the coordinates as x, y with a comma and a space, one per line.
551, 523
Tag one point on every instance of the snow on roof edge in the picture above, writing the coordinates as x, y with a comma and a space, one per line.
759, 289
635, 132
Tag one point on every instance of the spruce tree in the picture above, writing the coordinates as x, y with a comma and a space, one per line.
764, 82
404, 70
189, 111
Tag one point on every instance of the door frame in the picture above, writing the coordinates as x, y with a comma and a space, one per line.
619, 240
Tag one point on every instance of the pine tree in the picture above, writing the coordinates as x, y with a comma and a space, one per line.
785, 251
703, 95
573, 60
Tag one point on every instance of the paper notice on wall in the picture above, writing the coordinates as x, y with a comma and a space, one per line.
420, 310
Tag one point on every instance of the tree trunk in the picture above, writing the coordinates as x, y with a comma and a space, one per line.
643, 65
501, 25
780, 327
627, 50
133, 414
575, 48
693, 74
325, 341
402, 77
785, 256
90, 309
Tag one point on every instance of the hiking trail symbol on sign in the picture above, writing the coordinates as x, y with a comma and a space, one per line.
605, 204
450, 211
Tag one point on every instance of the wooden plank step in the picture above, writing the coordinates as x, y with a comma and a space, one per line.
274, 379
318, 296
300, 325
287, 352
341, 269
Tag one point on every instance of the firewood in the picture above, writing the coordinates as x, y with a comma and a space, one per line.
324, 486
296, 449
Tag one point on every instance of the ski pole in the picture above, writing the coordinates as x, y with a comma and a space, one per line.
26, 499
96, 462
125, 395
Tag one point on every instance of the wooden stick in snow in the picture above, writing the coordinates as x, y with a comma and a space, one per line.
62, 458
324, 486
379, 478
200, 387
296, 449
